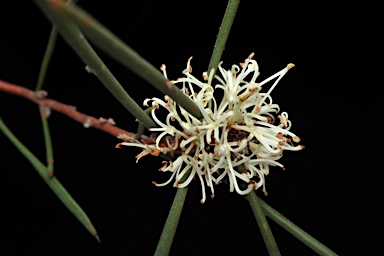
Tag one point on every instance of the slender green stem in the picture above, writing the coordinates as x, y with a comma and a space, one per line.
262, 222
79, 44
53, 182
116, 48
222, 37
170, 227
297, 232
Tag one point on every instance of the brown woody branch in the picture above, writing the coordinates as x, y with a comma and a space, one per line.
47, 104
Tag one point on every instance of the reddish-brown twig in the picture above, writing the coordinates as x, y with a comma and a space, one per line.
106, 125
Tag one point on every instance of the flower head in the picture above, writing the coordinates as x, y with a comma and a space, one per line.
237, 138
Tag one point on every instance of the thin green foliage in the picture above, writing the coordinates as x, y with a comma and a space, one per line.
47, 58
297, 232
225, 28
43, 111
48, 142
52, 182
262, 222
165, 242
59, 14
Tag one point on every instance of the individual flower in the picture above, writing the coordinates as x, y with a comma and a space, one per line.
237, 139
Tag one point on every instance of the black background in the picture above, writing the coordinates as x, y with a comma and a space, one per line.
333, 97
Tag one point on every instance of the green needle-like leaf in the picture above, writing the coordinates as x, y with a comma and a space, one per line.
43, 114
170, 227
225, 28
53, 182
74, 37
48, 142
46, 58
48, 53
262, 222
297, 232
117, 49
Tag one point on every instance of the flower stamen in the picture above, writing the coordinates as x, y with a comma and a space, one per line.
239, 132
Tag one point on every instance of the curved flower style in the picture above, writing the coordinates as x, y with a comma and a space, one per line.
236, 138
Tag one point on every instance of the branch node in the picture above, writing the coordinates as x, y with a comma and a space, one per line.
87, 123
41, 94
45, 111
107, 121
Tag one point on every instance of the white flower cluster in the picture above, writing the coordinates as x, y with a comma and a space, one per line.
236, 137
